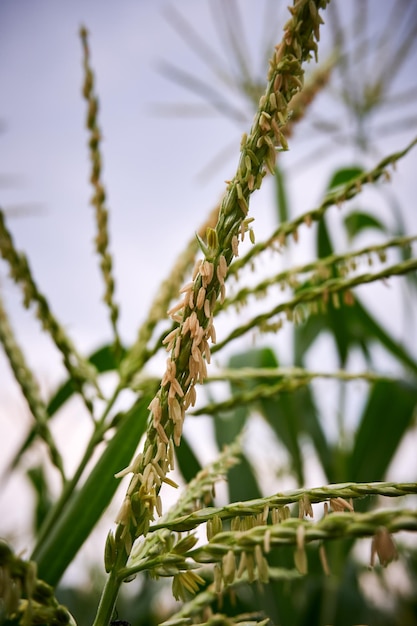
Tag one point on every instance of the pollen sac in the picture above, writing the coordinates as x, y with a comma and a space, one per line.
383, 545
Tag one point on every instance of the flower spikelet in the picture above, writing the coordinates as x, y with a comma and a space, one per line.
189, 343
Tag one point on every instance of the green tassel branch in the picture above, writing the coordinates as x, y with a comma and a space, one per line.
314, 296
82, 373
335, 198
314, 495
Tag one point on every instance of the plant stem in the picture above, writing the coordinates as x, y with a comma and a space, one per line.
108, 600
70, 486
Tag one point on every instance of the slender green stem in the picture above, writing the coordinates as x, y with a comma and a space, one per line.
333, 526
314, 495
269, 383
108, 600
333, 198
70, 486
99, 194
318, 293
319, 269
30, 389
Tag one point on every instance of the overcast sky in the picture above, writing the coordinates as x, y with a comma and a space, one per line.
151, 163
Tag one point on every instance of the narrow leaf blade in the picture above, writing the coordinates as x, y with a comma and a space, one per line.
386, 418
88, 504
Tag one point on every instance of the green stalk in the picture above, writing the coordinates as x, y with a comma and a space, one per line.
85, 506
110, 593
70, 486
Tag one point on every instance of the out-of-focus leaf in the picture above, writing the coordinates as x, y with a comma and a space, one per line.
351, 327
290, 415
358, 221
343, 176
104, 361
339, 324
281, 196
86, 506
43, 504
283, 416
293, 415
385, 420
312, 428
280, 412
27, 442
306, 334
324, 244
241, 479
258, 357
364, 326
337, 321
336, 318
188, 463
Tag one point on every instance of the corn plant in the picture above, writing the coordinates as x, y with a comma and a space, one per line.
264, 556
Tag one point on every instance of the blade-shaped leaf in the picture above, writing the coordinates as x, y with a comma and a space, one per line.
258, 357
358, 221
385, 420
87, 505
283, 416
306, 334
241, 480
336, 318
104, 361
343, 176
39, 483
351, 327
281, 196
324, 244
364, 325
188, 463
290, 415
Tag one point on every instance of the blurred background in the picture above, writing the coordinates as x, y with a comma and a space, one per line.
178, 84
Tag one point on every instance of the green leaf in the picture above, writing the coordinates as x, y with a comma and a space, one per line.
343, 323
336, 319
87, 505
228, 426
351, 327
242, 482
290, 415
385, 420
293, 415
279, 412
324, 244
306, 334
358, 221
188, 463
281, 196
43, 505
343, 176
104, 361
365, 328
258, 357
